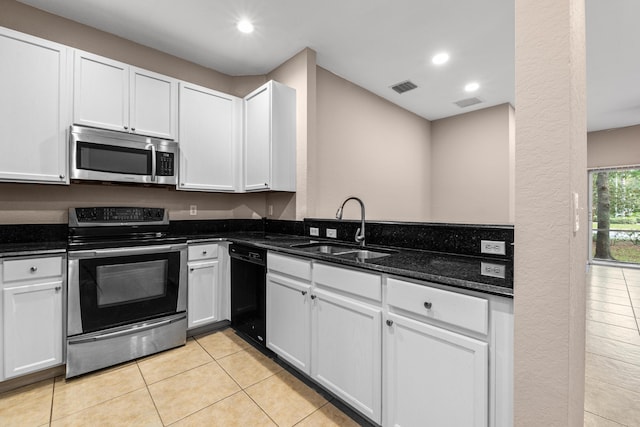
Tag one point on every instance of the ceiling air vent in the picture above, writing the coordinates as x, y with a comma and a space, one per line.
404, 86
468, 102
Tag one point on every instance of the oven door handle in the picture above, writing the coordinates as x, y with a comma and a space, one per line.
123, 332
139, 250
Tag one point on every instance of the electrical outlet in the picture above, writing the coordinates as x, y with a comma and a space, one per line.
193, 210
492, 270
332, 232
492, 247
314, 231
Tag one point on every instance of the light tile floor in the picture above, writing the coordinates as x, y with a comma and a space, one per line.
612, 372
214, 380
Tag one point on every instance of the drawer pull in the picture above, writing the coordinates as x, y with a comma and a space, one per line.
313, 296
204, 252
33, 269
57, 288
389, 322
304, 292
191, 269
428, 305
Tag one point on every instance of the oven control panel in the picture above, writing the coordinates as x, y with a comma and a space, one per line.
117, 214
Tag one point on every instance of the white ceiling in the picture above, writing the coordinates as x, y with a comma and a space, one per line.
378, 43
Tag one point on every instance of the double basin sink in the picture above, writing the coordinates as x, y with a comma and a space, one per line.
343, 251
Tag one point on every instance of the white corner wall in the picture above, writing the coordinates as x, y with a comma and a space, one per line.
472, 167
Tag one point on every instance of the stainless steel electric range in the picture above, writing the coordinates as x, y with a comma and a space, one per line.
127, 289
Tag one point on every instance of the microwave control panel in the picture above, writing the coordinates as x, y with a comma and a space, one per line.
164, 164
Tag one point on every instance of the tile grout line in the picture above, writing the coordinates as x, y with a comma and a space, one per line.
242, 389
53, 392
605, 418
631, 299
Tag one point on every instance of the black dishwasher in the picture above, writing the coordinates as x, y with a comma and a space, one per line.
248, 291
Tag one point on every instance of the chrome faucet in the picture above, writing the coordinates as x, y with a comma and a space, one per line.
360, 232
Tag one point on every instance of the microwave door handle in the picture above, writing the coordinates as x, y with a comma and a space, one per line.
153, 162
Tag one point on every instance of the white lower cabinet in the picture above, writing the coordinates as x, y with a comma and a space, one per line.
346, 354
442, 358
205, 296
288, 319
434, 377
32, 320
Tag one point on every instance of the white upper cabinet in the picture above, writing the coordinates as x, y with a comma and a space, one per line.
35, 109
153, 104
270, 138
210, 139
112, 95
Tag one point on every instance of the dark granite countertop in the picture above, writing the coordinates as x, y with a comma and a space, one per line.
460, 271
32, 248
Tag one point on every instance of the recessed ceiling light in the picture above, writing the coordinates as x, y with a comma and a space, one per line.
245, 26
472, 87
440, 58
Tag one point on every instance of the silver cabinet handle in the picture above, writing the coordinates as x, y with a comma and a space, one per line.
304, 292
389, 322
427, 305
61, 176
33, 269
191, 269
153, 162
204, 252
313, 297
57, 288
126, 127
133, 129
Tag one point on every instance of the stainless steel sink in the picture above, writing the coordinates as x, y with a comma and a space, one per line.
344, 251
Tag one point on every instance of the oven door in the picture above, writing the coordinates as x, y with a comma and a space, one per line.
115, 287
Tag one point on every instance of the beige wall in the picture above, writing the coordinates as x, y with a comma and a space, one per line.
614, 147
49, 204
370, 148
472, 167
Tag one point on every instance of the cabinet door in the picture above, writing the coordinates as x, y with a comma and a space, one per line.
257, 149
346, 350
434, 376
35, 109
288, 315
203, 295
154, 104
101, 92
209, 139
32, 327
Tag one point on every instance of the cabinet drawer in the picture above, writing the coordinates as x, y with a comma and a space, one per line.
31, 268
203, 251
291, 266
456, 309
355, 282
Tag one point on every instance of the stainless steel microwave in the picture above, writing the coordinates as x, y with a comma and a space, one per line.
104, 155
